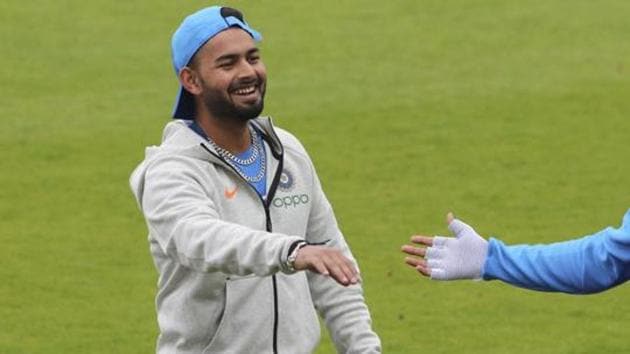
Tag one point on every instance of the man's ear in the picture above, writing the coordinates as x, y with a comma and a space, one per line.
190, 81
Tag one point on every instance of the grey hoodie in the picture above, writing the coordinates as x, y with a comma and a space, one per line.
221, 251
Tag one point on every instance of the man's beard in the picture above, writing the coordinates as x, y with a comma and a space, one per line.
219, 104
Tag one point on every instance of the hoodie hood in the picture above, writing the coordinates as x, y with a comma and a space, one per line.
178, 139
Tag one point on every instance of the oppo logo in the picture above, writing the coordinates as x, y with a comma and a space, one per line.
291, 201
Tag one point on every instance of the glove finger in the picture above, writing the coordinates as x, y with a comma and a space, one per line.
439, 241
438, 274
434, 263
434, 253
459, 228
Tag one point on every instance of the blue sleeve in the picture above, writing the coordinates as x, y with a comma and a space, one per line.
587, 265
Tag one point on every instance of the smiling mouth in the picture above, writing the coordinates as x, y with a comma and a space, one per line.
245, 91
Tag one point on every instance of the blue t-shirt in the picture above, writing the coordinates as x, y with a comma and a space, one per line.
255, 168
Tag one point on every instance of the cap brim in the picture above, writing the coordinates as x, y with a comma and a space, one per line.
185, 105
235, 22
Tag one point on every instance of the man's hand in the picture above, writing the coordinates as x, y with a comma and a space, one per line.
448, 258
327, 261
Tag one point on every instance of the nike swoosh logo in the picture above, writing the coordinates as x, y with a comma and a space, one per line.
230, 193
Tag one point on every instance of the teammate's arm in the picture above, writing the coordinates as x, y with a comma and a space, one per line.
586, 265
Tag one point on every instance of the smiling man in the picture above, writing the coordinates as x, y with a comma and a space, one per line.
245, 242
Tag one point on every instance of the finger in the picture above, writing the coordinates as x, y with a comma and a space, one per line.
424, 271
339, 276
335, 269
438, 274
359, 279
422, 240
319, 267
458, 227
434, 253
410, 264
434, 263
415, 262
414, 251
439, 241
449, 218
347, 267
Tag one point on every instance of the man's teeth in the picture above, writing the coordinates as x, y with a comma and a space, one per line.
246, 90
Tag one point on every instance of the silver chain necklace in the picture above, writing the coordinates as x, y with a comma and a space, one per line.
248, 161
259, 176
235, 161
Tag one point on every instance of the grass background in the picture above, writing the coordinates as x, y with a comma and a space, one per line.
514, 114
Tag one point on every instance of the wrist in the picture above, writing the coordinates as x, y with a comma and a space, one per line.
293, 253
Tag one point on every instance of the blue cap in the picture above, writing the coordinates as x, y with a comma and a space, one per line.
191, 35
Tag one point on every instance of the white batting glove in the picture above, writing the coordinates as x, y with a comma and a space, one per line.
461, 257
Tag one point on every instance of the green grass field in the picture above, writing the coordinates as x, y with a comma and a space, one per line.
513, 114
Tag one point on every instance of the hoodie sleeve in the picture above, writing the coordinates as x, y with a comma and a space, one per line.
185, 222
343, 308
586, 265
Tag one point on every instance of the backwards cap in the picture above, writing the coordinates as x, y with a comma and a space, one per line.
191, 35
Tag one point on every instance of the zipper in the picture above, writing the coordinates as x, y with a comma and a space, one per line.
268, 224
270, 194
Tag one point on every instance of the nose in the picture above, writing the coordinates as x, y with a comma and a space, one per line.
246, 70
